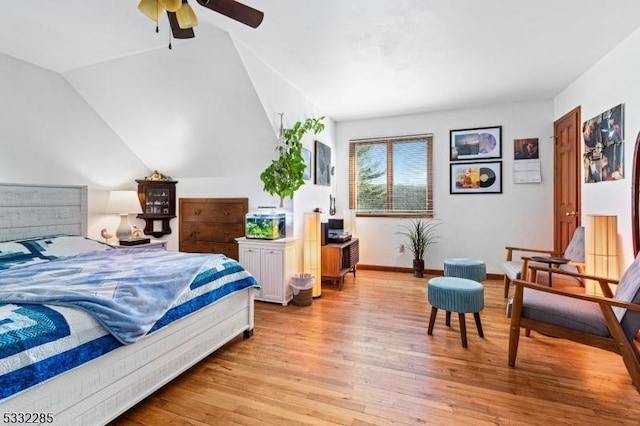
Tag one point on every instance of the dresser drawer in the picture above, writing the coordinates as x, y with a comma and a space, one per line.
203, 211
211, 225
207, 231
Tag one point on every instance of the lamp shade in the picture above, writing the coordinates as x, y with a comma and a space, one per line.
171, 5
186, 16
150, 8
123, 202
601, 249
312, 250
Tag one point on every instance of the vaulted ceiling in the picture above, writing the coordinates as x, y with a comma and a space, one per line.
353, 58
188, 110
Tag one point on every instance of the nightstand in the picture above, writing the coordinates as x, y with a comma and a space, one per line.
152, 244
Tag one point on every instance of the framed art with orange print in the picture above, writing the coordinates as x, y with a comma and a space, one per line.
476, 178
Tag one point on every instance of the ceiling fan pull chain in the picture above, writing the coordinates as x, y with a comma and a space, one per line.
169, 39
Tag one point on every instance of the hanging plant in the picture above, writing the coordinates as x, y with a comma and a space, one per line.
284, 175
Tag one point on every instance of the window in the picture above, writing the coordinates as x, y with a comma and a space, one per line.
391, 176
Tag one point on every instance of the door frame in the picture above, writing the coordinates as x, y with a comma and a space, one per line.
575, 118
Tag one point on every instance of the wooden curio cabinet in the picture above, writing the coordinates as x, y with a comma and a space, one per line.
158, 202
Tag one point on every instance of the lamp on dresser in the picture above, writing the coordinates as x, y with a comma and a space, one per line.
123, 203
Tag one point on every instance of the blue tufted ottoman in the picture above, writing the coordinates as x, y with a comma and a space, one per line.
462, 267
459, 295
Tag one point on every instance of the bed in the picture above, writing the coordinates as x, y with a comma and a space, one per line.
48, 226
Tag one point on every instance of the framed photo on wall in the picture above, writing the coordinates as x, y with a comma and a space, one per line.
476, 144
476, 178
603, 137
322, 164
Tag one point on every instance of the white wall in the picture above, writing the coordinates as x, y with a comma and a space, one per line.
473, 225
187, 112
612, 81
50, 135
278, 96
193, 113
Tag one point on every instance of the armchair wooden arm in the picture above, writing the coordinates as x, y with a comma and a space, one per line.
602, 300
517, 268
603, 282
524, 275
511, 249
510, 266
579, 266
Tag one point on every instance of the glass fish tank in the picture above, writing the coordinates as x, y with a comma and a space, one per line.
265, 225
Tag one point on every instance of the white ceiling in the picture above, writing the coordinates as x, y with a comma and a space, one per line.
356, 58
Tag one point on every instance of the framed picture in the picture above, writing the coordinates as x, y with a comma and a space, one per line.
525, 149
322, 164
603, 137
476, 144
306, 156
476, 178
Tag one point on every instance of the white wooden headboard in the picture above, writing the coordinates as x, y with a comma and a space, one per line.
28, 211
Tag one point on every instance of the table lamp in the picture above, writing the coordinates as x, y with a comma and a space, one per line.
601, 249
123, 203
312, 251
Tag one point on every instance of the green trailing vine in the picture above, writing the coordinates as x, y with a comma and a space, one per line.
283, 177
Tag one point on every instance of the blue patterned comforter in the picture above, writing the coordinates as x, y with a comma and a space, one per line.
44, 326
127, 291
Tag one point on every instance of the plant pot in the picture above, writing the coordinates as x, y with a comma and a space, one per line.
418, 267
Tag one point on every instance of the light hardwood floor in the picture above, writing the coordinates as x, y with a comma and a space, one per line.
362, 356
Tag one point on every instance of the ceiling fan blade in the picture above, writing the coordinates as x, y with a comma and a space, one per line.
234, 10
175, 27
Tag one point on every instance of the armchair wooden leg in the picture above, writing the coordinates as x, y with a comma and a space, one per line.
432, 320
507, 282
514, 330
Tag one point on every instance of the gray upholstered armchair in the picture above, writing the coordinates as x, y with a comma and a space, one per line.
516, 268
610, 322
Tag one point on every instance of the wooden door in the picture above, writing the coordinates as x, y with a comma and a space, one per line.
566, 178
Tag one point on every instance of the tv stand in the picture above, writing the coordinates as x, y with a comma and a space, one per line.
338, 259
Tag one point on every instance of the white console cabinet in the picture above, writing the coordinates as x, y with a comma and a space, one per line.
272, 263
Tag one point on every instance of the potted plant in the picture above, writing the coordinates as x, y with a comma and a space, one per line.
284, 175
420, 235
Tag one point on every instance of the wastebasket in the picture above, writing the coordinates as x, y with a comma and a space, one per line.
302, 286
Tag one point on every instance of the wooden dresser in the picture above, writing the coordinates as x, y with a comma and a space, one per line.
211, 225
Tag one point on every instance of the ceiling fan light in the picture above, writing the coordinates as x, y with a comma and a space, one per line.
150, 8
186, 16
171, 5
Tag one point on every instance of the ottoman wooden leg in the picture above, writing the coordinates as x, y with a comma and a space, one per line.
463, 330
447, 320
432, 320
476, 315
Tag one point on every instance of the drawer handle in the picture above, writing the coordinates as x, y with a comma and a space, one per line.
227, 213
197, 212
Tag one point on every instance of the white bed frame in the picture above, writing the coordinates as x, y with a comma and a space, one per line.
104, 388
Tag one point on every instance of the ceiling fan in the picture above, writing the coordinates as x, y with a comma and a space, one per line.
182, 18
